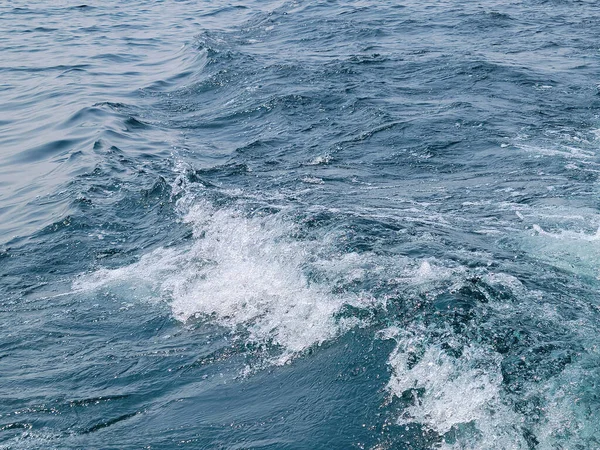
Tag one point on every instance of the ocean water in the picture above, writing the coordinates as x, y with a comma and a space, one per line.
300, 225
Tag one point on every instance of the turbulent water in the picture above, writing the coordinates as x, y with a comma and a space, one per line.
300, 225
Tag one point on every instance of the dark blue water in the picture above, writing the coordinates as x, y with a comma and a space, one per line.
300, 225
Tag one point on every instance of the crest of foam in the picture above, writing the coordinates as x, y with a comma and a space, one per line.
461, 396
241, 273
451, 393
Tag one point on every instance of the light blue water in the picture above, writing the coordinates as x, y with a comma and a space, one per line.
295, 225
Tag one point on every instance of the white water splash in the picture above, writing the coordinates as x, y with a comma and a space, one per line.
457, 397
238, 272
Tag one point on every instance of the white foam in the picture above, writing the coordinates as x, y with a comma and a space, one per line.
571, 408
312, 180
453, 394
571, 250
458, 398
564, 151
429, 276
242, 273
566, 235
319, 160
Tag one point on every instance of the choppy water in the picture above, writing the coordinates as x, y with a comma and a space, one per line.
300, 224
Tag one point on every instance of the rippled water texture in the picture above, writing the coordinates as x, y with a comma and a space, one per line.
294, 225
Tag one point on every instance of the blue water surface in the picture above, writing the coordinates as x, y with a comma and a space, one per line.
300, 225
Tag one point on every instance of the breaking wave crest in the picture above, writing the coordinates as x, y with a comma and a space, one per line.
244, 273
